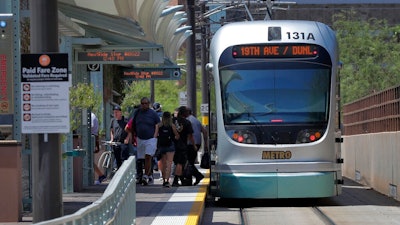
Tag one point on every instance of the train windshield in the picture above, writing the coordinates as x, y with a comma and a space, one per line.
255, 92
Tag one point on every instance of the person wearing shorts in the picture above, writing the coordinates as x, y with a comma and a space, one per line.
166, 135
144, 123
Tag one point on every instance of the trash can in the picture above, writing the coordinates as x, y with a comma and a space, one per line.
77, 174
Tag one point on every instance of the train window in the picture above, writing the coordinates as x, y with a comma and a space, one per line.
270, 95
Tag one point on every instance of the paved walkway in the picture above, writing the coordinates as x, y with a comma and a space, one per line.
154, 204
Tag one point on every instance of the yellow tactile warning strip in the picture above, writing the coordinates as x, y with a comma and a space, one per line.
186, 205
196, 212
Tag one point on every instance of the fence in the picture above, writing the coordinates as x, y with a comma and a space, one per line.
370, 146
116, 206
378, 112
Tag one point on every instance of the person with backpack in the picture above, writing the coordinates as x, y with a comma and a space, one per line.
199, 133
166, 134
185, 130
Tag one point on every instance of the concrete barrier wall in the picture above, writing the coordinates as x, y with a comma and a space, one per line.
373, 160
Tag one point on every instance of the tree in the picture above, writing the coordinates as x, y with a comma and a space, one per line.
369, 50
166, 93
82, 96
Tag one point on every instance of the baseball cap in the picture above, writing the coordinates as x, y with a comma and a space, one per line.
157, 106
117, 107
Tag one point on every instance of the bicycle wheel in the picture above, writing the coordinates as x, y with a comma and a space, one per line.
106, 161
103, 159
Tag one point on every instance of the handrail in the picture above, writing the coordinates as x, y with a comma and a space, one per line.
116, 206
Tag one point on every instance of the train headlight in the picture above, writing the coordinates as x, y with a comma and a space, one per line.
242, 136
307, 136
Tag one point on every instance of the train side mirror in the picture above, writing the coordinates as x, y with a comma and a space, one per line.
176, 73
209, 67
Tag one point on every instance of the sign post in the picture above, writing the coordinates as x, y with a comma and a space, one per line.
46, 147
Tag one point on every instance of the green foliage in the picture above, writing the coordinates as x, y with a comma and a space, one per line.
166, 93
370, 54
82, 96
133, 93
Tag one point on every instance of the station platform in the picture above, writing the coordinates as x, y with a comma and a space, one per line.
155, 204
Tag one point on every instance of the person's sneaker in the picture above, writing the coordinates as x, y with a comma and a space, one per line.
175, 183
145, 180
97, 182
198, 179
151, 180
101, 179
166, 184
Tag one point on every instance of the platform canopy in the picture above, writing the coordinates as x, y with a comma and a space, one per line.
136, 23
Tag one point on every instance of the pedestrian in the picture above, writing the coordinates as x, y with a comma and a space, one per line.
158, 108
120, 136
156, 162
166, 134
131, 130
95, 132
199, 133
185, 130
143, 125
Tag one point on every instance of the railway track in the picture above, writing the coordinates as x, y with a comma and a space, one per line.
273, 216
357, 205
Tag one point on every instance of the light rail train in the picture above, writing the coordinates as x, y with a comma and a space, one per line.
273, 107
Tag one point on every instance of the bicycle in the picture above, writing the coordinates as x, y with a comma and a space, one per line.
106, 160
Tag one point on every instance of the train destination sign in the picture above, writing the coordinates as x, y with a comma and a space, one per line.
119, 55
161, 73
275, 51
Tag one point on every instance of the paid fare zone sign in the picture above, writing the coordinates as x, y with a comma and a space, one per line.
45, 93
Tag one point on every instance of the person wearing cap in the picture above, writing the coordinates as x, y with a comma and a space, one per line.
158, 108
118, 134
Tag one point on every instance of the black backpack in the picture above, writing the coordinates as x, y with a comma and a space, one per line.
165, 135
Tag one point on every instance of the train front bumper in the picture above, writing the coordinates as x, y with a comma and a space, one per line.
278, 185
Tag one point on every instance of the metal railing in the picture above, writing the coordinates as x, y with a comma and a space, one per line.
116, 206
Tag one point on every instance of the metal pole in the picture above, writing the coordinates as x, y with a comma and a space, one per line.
339, 97
204, 59
152, 91
46, 148
191, 58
